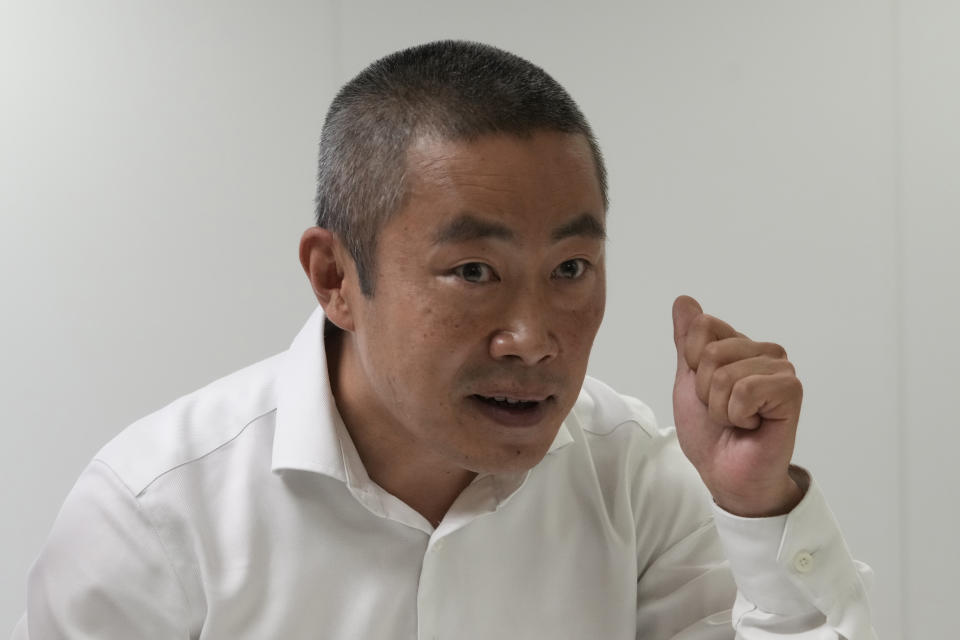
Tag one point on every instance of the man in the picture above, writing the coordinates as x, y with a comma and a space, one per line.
428, 459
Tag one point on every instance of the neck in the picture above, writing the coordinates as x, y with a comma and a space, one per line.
392, 456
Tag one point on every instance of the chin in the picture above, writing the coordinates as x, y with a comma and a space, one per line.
510, 459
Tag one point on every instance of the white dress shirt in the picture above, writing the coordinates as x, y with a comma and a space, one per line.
243, 510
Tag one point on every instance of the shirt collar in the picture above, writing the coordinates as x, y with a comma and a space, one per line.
309, 432
306, 436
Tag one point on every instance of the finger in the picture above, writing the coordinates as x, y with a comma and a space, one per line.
723, 352
759, 398
724, 381
702, 331
685, 311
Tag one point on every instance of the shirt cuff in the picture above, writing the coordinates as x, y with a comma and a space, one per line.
795, 563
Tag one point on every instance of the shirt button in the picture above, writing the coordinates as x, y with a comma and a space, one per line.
439, 545
803, 562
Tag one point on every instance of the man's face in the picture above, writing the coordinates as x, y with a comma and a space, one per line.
489, 290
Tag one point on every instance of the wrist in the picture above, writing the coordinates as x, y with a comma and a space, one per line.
776, 501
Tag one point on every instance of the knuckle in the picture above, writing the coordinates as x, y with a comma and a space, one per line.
705, 325
783, 367
723, 378
711, 354
797, 387
744, 388
775, 350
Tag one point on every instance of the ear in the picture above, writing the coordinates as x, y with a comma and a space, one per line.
332, 274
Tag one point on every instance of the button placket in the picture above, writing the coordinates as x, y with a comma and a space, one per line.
430, 590
426, 598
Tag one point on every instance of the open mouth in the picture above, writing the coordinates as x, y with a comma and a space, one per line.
512, 411
504, 402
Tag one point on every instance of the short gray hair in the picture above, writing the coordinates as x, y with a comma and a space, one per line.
454, 90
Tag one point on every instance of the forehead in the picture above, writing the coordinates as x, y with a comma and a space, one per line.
531, 181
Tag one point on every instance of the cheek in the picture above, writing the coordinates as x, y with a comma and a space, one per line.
433, 339
577, 332
451, 314
578, 323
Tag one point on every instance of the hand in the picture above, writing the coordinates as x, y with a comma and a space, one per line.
736, 404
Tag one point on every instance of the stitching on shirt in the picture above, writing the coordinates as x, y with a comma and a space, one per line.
156, 532
739, 621
617, 428
192, 460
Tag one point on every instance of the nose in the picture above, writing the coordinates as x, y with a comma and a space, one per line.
526, 335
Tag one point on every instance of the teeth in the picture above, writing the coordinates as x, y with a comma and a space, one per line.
512, 401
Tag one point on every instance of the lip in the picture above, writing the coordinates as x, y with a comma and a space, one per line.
525, 396
513, 418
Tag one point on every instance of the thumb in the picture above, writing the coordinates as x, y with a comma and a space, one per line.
685, 311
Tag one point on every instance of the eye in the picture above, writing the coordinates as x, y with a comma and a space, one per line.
571, 269
475, 272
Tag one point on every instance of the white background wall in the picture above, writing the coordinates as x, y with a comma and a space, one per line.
792, 164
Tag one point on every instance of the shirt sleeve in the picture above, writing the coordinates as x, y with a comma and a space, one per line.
103, 573
794, 574
788, 576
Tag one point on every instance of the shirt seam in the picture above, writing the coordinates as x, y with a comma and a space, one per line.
617, 427
156, 532
147, 485
739, 621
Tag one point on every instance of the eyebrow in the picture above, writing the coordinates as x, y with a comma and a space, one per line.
586, 224
467, 227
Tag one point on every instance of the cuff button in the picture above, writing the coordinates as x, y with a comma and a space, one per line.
803, 562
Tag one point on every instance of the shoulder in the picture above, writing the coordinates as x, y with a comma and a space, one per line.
192, 426
600, 411
628, 450
627, 427
618, 426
